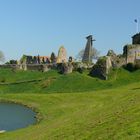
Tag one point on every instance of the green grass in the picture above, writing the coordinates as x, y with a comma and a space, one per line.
53, 82
107, 114
86, 108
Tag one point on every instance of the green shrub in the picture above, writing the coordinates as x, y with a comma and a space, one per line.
130, 67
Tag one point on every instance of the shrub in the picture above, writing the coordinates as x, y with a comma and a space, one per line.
80, 70
130, 67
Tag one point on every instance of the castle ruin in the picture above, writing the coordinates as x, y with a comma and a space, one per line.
87, 57
131, 52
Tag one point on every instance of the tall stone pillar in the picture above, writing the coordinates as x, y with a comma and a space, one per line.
87, 57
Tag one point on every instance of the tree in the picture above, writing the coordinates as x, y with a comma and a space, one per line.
43, 60
53, 58
2, 57
94, 54
38, 59
13, 61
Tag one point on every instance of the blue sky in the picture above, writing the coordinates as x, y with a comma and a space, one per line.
35, 27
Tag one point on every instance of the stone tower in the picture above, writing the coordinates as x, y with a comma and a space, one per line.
87, 57
132, 51
62, 55
136, 39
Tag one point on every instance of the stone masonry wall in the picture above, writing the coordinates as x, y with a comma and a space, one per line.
132, 53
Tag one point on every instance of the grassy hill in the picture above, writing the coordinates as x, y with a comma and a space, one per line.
86, 108
106, 115
53, 82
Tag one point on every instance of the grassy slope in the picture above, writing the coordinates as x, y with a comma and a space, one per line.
107, 114
95, 114
56, 83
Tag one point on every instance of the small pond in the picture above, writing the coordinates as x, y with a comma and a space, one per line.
14, 116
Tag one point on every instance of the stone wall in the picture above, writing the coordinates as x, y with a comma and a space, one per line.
116, 60
39, 67
102, 68
12, 66
131, 53
65, 68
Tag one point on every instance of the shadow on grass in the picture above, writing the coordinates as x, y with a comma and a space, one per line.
136, 88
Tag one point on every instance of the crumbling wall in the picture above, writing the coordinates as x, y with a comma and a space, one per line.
102, 68
65, 68
131, 53
116, 60
12, 66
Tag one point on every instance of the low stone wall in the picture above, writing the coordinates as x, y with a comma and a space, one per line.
35, 67
38, 67
12, 66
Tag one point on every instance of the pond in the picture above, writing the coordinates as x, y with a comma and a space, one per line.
14, 116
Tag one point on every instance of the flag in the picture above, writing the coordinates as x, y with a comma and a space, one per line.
136, 20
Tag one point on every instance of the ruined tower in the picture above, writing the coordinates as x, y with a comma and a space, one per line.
132, 51
87, 57
136, 39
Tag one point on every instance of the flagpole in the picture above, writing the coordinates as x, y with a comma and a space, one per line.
137, 26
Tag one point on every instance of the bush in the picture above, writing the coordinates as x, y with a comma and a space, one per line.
80, 70
130, 67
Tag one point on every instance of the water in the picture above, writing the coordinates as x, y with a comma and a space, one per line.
14, 116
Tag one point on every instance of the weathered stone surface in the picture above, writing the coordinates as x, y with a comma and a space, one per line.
108, 64
116, 60
120, 61
112, 57
13, 66
45, 68
65, 68
131, 53
111, 53
62, 55
101, 68
87, 57
23, 67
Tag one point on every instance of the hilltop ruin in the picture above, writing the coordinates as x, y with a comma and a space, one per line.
131, 54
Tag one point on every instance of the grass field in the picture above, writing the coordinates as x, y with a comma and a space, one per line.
53, 82
85, 109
